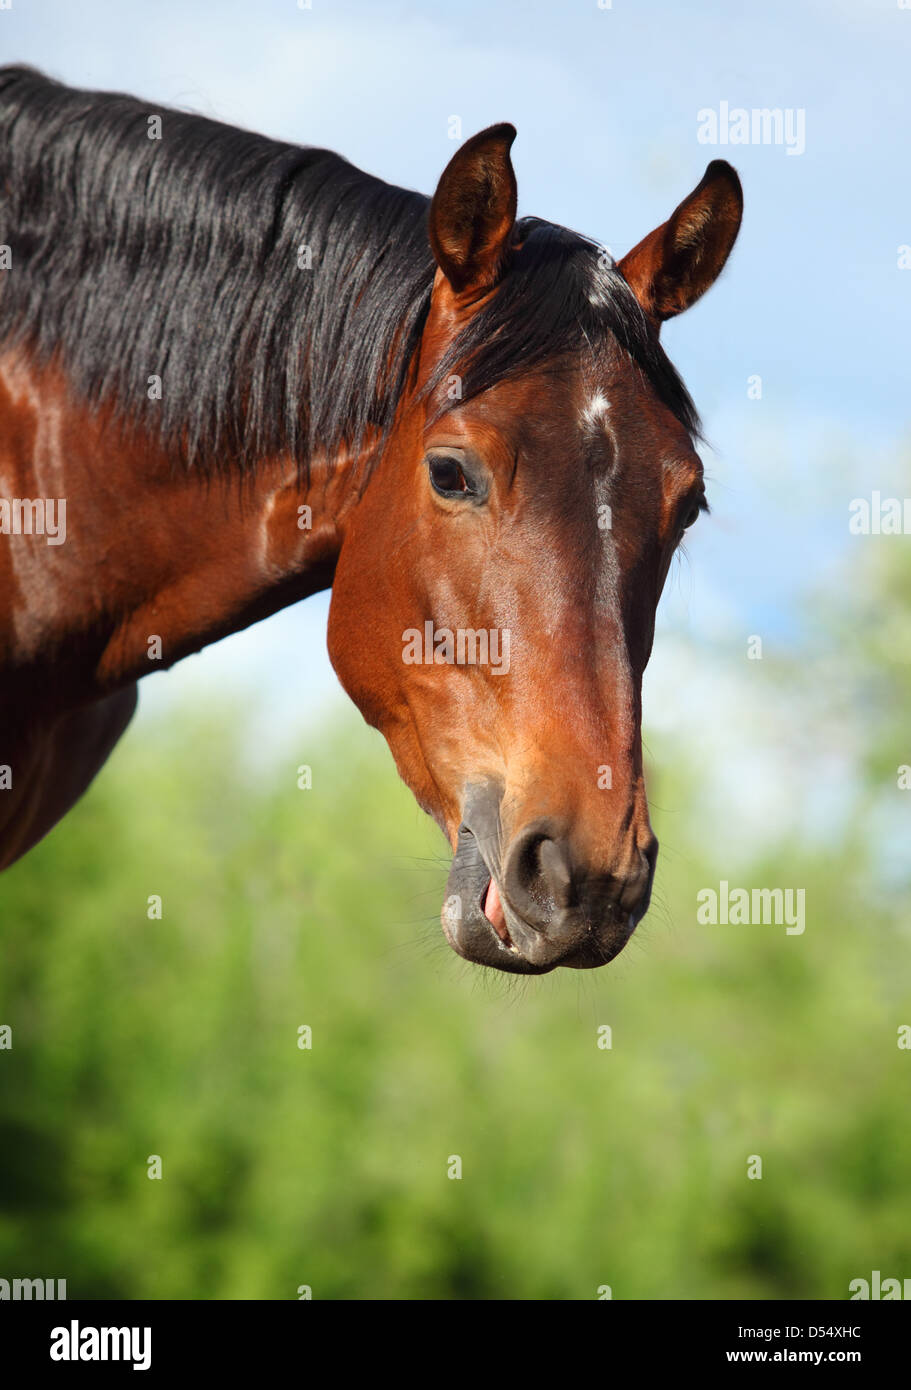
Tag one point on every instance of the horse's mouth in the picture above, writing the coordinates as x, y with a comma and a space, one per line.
476, 920
481, 926
492, 906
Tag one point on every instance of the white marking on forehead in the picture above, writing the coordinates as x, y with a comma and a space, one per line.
594, 411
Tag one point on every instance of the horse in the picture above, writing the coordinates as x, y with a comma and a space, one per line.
236, 371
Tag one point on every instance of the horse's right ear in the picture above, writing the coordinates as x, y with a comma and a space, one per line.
473, 212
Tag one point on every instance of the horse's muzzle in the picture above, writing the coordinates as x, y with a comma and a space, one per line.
529, 906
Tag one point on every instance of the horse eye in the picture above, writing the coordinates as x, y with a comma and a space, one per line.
691, 517
446, 476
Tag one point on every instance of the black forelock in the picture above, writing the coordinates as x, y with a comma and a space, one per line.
563, 293
186, 258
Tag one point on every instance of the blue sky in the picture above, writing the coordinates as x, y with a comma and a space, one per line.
606, 103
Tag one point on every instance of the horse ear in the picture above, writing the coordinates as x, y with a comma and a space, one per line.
473, 211
681, 259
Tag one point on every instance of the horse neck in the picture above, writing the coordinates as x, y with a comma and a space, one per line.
155, 560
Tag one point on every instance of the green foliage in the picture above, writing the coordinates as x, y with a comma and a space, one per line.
281, 1166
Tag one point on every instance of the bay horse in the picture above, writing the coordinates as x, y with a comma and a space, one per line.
235, 371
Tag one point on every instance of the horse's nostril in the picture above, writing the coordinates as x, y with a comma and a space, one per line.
555, 871
538, 878
561, 900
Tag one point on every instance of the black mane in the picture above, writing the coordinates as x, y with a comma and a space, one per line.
179, 258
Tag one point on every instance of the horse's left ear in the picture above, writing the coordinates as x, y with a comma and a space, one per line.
681, 259
473, 211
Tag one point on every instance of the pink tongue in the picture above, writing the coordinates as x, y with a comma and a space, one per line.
493, 911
